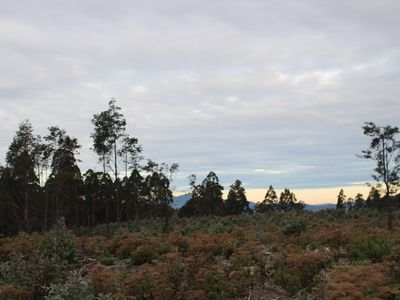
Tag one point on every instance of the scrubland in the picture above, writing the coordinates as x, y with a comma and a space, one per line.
302, 255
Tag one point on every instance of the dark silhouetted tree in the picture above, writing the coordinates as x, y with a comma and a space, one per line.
269, 203
236, 203
384, 150
374, 198
109, 130
288, 201
20, 159
341, 200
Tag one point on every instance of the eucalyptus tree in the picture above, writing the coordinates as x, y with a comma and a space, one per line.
269, 203
92, 195
236, 203
65, 182
158, 190
206, 197
135, 192
10, 217
384, 150
20, 159
288, 201
130, 152
341, 200
374, 198
109, 131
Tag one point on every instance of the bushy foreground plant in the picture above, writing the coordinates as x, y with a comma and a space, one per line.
373, 250
46, 264
362, 282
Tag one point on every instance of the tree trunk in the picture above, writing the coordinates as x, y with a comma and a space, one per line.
107, 221
166, 217
136, 207
390, 213
94, 214
26, 208
46, 209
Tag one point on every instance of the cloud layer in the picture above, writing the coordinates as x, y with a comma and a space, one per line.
270, 92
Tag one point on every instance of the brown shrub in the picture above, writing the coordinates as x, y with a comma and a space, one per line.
150, 282
8, 291
22, 243
93, 246
195, 295
103, 279
297, 270
211, 245
241, 257
123, 248
358, 283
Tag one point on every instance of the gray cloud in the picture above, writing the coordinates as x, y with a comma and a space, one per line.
271, 92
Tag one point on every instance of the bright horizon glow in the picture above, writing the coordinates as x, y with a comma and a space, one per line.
308, 195
312, 196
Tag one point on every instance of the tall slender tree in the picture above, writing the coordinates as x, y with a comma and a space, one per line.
236, 203
269, 203
65, 180
21, 160
341, 200
109, 130
384, 150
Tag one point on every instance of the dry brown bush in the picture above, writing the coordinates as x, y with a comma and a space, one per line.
125, 246
365, 282
93, 246
103, 279
8, 291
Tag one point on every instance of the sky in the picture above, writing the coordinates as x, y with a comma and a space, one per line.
268, 92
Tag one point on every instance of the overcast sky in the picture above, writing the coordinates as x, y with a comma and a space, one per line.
270, 92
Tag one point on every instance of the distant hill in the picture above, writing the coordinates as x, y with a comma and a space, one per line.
317, 207
179, 201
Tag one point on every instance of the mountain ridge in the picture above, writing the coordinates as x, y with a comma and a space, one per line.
179, 201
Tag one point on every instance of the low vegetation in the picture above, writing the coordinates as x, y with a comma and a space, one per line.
292, 255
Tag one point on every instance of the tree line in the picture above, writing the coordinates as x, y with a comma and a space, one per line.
41, 181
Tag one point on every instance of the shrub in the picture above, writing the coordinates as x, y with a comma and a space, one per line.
123, 247
59, 244
73, 289
241, 257
374, 250
23, 243
143, 254
216, 286
195, 295
296, 227
93, 246
34, 271
103, 280
8, 291
107, 260
297, 271
361, 282
214, 283
140, 284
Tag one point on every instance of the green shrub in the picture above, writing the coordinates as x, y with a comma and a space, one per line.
107, 260
175, 273
216, 286
73, 289
143, 254
374, 250
295, 227
58, 243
